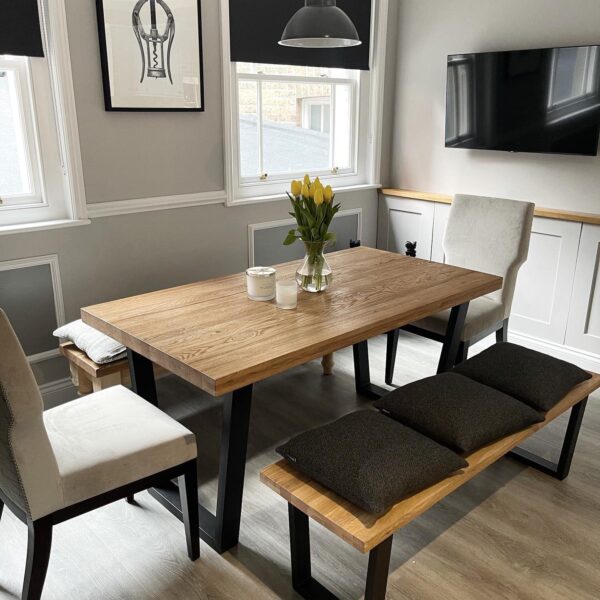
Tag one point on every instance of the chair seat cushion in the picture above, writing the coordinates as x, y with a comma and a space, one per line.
532, 377
112, 438
483, 314
370, 459
457, 412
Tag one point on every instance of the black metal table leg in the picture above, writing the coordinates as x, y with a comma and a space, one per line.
220, 531
362, 373
456, 322
561, 469
308, 587
142, 377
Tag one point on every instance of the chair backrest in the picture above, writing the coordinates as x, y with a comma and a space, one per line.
29, 475
490, 235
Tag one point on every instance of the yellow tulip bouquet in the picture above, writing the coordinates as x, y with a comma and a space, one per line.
313, 209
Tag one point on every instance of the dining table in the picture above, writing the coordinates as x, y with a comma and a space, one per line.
212, 335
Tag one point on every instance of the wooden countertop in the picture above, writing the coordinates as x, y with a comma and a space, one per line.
547, 213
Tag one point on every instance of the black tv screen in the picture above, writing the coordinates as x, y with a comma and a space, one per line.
525, 101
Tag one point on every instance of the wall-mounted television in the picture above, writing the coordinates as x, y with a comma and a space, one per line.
544, 100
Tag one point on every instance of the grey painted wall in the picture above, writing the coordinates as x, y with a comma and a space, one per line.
143, 155
429, 30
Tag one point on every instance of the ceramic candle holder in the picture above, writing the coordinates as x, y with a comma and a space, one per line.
260, 282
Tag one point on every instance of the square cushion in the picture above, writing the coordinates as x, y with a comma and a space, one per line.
99, 347
457, 412
370, 459
532, 377
111, 438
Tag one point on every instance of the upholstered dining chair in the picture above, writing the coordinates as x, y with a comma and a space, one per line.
483, 234
82, 455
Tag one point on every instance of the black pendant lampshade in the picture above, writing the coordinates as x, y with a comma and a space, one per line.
320, 24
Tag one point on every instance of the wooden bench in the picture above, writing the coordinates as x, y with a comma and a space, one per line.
371, 533
88, 376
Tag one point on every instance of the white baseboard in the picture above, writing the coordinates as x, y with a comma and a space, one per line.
58, 392
585, 360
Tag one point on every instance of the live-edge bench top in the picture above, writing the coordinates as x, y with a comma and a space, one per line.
212, 335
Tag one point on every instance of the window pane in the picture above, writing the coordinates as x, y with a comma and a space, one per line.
14, 177
247, 96
289, 143
294, 70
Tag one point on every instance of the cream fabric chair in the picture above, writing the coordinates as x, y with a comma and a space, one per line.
483, 234
58, 464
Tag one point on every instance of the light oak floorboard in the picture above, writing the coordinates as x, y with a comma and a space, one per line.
510, 533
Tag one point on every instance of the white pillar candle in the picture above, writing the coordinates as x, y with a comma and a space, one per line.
287, 294
260, 282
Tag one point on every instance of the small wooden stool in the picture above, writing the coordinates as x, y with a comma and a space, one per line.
88, 376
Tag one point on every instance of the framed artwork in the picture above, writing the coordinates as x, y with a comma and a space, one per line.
151, 53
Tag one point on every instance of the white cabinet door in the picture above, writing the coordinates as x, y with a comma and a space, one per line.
402, 220
440, 220
543, 293
583, 331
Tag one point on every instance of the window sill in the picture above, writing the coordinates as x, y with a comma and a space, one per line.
42, 226
241, 201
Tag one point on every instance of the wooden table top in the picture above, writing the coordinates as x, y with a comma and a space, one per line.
210, 333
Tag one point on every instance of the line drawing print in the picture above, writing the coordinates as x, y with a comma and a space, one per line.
154, 41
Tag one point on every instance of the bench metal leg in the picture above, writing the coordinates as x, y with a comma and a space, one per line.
221, 530
362, 373
302, 579
561, 469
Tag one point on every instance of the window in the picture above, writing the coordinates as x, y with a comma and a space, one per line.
289, 120
292, 120
40, 162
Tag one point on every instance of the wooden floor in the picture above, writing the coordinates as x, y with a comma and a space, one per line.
511, 533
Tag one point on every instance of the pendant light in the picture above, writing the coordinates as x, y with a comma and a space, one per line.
320, 24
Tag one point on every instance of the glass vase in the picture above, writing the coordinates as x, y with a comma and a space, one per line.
315, 274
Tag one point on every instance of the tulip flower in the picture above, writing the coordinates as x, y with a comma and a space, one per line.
318, 183
296, 188
319, 197
307, 180
305, 191
328, 194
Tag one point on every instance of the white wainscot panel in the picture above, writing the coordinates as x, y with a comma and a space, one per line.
583, 331
543, 293
401, 221
440, 221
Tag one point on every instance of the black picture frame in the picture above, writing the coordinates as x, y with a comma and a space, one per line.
108, 103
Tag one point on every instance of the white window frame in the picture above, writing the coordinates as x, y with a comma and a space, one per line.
258, 181
366, 170
48, 104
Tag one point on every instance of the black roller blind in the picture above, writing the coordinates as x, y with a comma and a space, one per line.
20, 33
256, 27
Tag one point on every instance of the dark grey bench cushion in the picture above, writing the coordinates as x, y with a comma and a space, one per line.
457, 412
532, 377
370, 459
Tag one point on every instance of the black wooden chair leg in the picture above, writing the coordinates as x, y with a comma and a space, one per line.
131, 499
502, 333
38, 555
188, 490
390, 357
